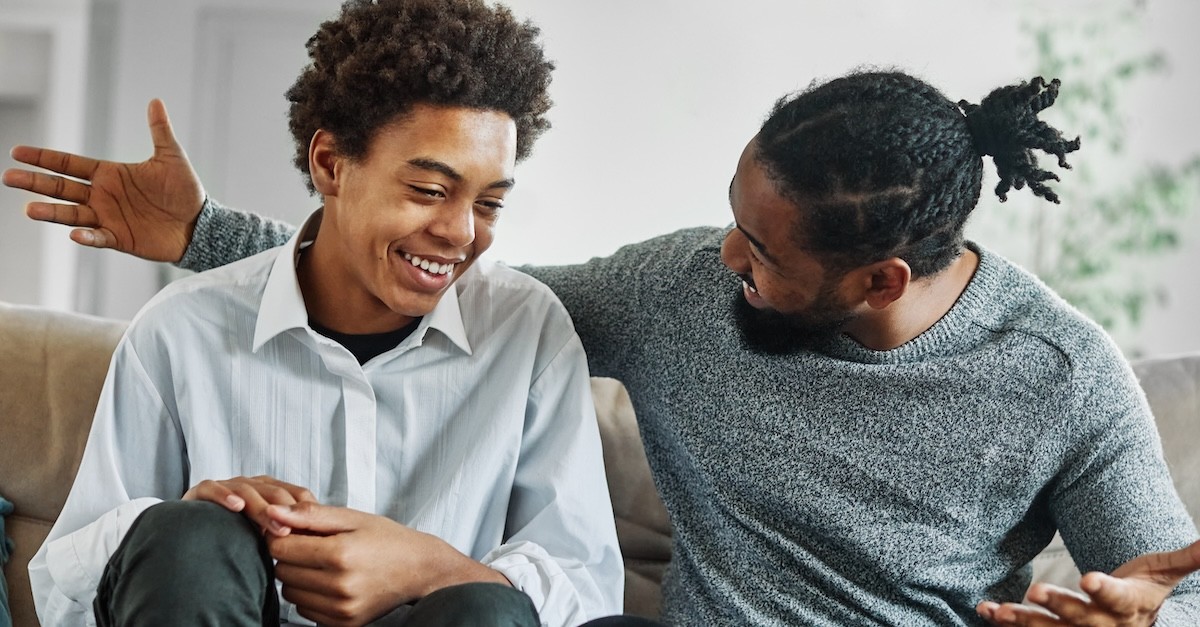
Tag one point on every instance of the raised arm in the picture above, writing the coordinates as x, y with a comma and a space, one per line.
150, 209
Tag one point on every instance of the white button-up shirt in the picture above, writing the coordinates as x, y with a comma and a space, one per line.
478, 428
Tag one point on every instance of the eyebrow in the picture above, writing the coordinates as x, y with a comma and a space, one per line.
452, 174
753, 240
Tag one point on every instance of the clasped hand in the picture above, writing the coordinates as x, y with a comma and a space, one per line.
337, 565
1130, 597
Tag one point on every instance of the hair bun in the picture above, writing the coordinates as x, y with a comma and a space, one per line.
1005, 126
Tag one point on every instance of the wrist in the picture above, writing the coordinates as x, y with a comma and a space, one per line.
448, 567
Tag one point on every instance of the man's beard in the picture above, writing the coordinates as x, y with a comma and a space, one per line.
770, 332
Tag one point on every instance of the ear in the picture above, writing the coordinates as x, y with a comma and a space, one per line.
323, 163
883, 282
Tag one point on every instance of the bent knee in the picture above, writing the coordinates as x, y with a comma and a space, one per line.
197, 524
475, 604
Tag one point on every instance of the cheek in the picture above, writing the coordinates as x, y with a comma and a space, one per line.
485, 233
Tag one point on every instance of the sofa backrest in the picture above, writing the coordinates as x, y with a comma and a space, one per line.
53, 364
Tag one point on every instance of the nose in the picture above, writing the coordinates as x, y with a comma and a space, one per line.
734, 252
455, 224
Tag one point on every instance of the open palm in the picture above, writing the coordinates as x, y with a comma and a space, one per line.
147, 209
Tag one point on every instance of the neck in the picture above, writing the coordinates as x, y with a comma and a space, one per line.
924, 303
335, 299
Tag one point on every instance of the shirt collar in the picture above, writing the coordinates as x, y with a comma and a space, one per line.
282, 307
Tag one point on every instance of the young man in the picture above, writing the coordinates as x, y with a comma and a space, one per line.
370, 415
870, 420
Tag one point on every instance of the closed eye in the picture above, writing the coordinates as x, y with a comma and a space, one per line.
427, 191
489, 207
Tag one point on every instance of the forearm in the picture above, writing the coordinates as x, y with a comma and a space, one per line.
455, 568
224, 235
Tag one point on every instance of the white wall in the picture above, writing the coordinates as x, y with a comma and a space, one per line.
43, 44
655, 99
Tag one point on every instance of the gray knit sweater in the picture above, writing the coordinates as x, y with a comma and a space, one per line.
851, 486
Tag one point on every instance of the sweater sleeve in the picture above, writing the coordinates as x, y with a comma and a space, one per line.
224, 235
613, 300
1115, 499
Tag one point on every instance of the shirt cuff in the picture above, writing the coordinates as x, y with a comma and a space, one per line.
531, 570
76, 561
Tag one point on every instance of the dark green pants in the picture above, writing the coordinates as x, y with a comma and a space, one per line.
196, 563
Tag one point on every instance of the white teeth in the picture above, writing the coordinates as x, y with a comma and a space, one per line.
750, 287
431, 267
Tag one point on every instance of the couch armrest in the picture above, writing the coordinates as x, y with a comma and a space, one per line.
52, 366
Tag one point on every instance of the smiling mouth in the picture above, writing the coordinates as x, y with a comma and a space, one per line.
748, 281
431, 267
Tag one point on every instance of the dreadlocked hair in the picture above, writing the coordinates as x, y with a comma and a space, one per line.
1005, 126
883, 165
379, 58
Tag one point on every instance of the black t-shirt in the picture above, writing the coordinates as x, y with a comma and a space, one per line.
367, 346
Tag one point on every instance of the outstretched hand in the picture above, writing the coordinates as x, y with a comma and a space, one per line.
1130, 596
147, 209
345, 567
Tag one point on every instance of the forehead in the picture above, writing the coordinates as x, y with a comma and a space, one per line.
757, 205
475, 138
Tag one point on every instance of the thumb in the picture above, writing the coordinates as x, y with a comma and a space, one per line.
313, 517
160, 129
1122, 596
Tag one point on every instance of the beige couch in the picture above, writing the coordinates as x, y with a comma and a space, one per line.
53, 364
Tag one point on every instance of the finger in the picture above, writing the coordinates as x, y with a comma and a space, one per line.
1124, 597
160, 128
55, 161
258, 498
1017, 615
317, 518
1070, 606
302, 578
304, 551
987, 611
95, 238
1164, 568
58, 187
298, 494
70, 215
215, 492
319, 617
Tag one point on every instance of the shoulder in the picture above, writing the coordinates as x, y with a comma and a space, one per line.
200, 302
678, 244
493, 291
1030, 306
1062, 336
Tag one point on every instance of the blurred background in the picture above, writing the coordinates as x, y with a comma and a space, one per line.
654, 101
